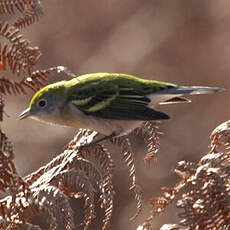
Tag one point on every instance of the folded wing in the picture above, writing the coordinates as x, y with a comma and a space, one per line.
119, 103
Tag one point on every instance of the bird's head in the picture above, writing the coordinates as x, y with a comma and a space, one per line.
46, 103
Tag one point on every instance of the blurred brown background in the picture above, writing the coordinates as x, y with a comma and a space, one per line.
185, 42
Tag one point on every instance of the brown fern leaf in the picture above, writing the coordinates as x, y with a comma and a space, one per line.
106, 201
20, 57
76, 184
127, 152
3, 224
84, 136
11, 87
101, 155
76, 166
184, 170
9, 6
103, 161
106, 165
37, 79
13, 206
148, 226
220, 137
90, 170
96, 179
16, 208
1, 108
169, 194
107, 198
7, 167
73, 174
30, 15
206, 205
70, 164
55, 204
46, 173
173, 227
151, 135
28, 226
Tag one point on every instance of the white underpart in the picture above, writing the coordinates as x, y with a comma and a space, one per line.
101, 125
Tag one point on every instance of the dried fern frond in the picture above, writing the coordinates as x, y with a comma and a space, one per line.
30, 10
173, 227
28, 226
78, 172
55, 204
35, 81
106, 165
76, 184
21, 59
151, 136
37, 78
7, 167
1, 108
13, 207
11, 87
127, 152
19, 55
100, 178
66, 168
206, 204
51, 200
107, 193
220, 137
148, 226
30, 15
8, 6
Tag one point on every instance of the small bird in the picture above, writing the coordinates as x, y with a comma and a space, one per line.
112, 104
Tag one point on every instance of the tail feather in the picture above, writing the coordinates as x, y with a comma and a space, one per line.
193, 90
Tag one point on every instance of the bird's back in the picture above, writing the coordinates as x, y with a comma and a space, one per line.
100, 80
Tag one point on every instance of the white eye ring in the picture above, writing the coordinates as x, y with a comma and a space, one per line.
42, 103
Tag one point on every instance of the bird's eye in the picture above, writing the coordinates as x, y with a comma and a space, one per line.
42, 103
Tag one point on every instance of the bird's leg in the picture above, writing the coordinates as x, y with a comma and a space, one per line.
94, 142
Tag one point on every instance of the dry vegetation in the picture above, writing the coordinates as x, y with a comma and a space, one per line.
202, 192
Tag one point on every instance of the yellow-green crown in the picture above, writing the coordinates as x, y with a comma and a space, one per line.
57, 88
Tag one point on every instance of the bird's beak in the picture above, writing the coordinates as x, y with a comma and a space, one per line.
26, 113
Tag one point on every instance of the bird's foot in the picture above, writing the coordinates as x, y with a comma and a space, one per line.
94, 142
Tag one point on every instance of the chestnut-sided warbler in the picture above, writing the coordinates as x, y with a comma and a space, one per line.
110, 103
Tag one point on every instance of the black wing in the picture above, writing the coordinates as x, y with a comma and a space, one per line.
118, 103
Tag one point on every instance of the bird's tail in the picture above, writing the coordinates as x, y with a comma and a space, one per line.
194, 90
